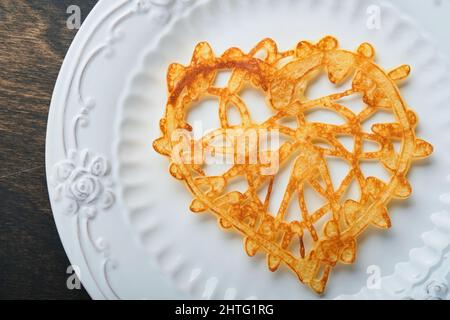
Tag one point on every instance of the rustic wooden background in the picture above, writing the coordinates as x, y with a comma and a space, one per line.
33, 42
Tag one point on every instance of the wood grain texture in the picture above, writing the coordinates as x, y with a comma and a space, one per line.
33, 42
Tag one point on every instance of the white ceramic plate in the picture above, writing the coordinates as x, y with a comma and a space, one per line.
125, 222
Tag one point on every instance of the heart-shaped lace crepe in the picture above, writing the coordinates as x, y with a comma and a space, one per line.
284, 78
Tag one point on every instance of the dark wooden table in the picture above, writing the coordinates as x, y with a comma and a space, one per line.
34, 39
